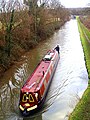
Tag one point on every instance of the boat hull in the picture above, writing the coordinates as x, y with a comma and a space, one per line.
42, 88
48, 86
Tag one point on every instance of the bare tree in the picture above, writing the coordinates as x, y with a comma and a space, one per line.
8, 11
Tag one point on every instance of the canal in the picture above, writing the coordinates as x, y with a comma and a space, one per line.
68, 84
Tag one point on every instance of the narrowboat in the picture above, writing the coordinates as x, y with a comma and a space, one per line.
34, 90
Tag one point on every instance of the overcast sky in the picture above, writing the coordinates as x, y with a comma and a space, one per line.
74, 3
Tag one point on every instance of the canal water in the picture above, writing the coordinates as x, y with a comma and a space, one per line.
68, 84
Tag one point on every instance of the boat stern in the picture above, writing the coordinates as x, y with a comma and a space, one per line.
28, 102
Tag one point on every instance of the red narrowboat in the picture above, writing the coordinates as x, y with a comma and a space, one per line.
35, 88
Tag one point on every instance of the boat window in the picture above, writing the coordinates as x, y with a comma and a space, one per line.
27, 97
31, 99
24, 99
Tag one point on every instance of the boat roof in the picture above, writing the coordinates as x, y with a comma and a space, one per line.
34, 81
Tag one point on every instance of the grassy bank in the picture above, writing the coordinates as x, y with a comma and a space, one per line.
82, 110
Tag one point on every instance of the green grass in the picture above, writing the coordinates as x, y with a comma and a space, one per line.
86, 31
86, 45
82, 110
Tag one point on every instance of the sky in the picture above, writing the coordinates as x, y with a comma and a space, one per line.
74, 3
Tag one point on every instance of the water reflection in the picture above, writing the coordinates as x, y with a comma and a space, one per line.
68, 84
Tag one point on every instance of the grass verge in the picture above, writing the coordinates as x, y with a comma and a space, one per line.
82, 109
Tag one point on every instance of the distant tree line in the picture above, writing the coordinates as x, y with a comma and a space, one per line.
80, 11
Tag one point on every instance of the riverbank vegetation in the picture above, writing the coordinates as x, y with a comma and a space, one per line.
23, 26
82, 110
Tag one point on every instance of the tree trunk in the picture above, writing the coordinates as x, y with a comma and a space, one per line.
8, 35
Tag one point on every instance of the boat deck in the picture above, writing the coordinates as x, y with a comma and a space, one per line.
35, 80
